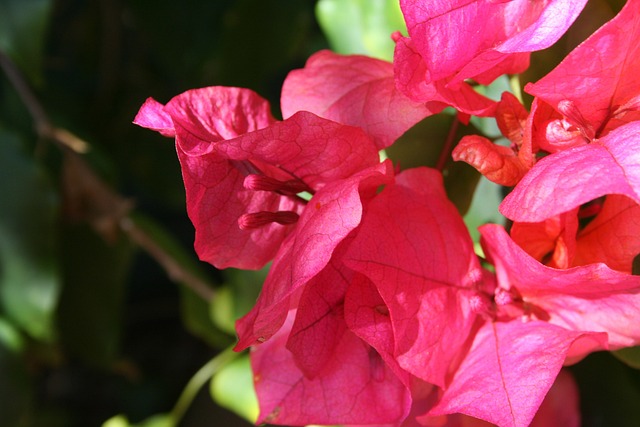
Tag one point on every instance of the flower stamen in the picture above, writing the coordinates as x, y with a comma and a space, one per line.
254, 220
265, 183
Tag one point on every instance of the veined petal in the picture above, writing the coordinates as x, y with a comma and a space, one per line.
331, 215
421, 265
354, 90
355, 388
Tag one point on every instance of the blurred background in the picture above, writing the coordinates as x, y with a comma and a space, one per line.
107, 318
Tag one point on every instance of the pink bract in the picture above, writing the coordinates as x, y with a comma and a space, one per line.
507, 372
330, 216
421, 266
591, 298
225, 136
481, 39
356, 386
354, 90
597, 86
569, 178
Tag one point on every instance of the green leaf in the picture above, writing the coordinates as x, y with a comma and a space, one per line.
196, 315
117, 421
629, 355
29, 279
10, 337
92, 299
487, 125
159, 420
232, 388
361, 26
22, 29
244, 286
222, 312
484, 207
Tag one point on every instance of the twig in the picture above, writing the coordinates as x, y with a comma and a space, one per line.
171, 267
448, 145
43, 125
91, 198
198, 381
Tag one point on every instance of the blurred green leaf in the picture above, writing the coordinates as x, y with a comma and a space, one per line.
484, 207
91, 302
29, 279
421, 145
245, 286
117, 421
487, 125
630, 356
22, 28
197, 319
10, 337
232, 388
221, 310
160, 420
361, 26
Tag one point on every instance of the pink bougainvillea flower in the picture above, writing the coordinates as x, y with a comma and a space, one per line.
590, 298
331, 215
560, 408
451, 42
494, 345
421, 265
242, 169
596, 88
500, 164
566, 179
541, 318
507, 372
354, 90
480, 39
410, 75
356, 386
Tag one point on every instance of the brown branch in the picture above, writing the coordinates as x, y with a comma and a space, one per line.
171, 267
88, 197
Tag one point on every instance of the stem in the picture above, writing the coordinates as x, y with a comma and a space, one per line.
198, 380
43, 125
166, 261
448, 145
107, 206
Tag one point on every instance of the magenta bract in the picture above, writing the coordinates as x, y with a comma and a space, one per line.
354, 90
224, 135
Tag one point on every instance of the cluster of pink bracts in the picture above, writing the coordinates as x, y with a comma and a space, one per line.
376, 310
